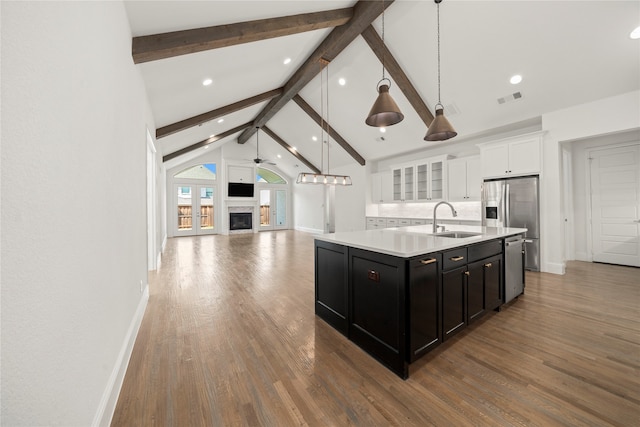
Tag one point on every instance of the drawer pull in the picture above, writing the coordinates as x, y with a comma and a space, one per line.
457, 258
488, 265
373, 275
428, 261
466, 273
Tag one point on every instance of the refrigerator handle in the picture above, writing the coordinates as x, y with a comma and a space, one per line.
506, 205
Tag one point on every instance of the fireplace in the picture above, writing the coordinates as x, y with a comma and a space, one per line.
241, 219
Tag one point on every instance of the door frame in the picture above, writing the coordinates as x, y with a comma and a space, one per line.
589, 213
273, 189
196, 185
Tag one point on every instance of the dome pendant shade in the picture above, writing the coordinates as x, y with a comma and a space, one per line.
440, 128
385, 111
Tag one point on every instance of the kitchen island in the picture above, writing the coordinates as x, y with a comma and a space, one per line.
400, 292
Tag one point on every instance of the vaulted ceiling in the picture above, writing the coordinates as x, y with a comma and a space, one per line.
568, 52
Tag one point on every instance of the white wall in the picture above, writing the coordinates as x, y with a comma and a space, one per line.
308, 207
350, 201
73, 218
579, 189
608, 116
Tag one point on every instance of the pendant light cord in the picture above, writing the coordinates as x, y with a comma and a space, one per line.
383, 40
328, 136
321, 121
438, 8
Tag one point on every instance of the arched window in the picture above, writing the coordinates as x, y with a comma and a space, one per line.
204, 171
269, 177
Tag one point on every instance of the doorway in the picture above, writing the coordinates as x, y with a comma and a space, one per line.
195, 213
273, 209
615, 205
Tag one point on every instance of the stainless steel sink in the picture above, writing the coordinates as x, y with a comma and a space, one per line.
457, 234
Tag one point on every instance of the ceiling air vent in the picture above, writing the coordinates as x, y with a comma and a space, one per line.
513, 97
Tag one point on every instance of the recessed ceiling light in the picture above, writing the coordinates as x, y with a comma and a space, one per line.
207, 82
220, 120
212, 135
635, 34
294, 148
514, 80
383, 129
286, 61
205, 147
279, 156
315, 138
342, 81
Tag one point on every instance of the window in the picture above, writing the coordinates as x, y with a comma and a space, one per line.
204, 171
269, 177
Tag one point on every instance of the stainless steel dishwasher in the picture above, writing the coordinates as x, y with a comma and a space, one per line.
513, 267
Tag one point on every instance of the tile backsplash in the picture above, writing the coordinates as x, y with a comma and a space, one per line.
466, 210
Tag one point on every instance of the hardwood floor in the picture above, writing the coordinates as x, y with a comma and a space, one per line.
230, 338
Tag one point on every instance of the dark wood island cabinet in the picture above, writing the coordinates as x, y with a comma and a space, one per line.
397, 308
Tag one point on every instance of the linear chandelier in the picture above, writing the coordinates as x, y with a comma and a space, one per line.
323, 178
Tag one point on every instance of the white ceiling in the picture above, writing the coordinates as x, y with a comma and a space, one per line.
568, 52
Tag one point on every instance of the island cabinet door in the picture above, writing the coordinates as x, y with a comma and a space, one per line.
454, 306
425, 332
493, 283
475, 291
332, 291
377, 307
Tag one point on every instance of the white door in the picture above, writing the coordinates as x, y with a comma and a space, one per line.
615, 205
194, 209
273, 209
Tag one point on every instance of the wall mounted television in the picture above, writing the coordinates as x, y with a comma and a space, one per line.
238, 189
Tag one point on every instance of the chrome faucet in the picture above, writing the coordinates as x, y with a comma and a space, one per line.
435, 224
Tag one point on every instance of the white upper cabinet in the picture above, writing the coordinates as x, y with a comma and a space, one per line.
518, 156
403, 182
243, 174
381, 187
431, 179
422, 181
464, 179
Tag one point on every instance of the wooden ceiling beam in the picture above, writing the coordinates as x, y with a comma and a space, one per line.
205, 142
397, 73
214, 114
364, 13
327, 127
290, 149
167, 45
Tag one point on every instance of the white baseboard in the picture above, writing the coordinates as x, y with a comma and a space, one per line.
107, 406
583, 256
553, 267
310, 230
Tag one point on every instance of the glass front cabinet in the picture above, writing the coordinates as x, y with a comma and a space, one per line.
422, 181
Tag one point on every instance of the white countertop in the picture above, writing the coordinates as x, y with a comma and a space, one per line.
406, 242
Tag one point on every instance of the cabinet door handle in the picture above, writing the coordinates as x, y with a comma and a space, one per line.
466, 273
428, 261
488, 265
457, 258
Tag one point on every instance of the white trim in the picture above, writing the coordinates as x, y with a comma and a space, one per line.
583, 256
309, 230
553, 267
107, 406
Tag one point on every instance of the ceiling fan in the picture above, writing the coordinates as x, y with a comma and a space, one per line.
258, 160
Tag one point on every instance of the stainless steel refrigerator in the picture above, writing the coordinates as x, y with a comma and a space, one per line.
514, 202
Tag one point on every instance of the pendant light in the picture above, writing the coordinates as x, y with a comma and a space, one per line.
385, 111
440, 129
323, 178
